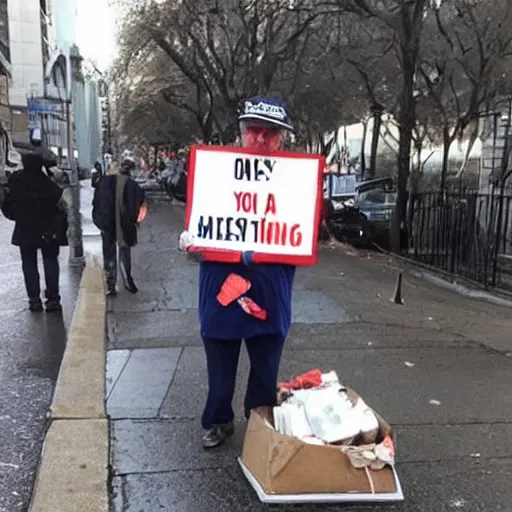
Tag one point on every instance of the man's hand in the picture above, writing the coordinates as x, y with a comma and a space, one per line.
186, 241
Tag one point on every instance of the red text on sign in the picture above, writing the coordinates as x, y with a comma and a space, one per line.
246, 202
271, 205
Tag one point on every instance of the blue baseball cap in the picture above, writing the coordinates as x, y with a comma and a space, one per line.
268, 110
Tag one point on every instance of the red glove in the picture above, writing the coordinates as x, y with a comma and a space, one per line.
232, 289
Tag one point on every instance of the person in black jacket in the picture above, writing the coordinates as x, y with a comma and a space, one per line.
96, 175
117, 203
34, 202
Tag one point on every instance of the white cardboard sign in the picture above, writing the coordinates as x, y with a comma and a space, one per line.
240, 200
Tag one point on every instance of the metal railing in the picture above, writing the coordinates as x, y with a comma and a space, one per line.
464, 233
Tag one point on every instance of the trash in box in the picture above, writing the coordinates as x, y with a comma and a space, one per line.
321, 443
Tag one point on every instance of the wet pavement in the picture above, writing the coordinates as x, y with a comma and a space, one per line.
31, 349
437, 369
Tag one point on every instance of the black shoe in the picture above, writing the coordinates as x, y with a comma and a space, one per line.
217, 435
35, 305
130, 285
53, 306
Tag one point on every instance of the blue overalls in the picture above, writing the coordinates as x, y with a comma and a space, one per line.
224, 328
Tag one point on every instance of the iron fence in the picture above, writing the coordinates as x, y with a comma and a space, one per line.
464, 233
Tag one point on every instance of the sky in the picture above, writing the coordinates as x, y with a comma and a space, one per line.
95, 31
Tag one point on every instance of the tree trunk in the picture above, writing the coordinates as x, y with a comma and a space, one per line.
471, 144
407, 122
208, 127
377, 121
447, 142
321, 143
363, 144
411, 22
419, 150
155, 161
308, 140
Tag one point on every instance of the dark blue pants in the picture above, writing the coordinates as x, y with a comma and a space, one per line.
222, 360
31, 272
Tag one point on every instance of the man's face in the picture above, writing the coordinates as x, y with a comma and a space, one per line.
260, 135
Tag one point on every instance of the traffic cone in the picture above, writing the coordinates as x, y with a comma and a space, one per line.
397, 298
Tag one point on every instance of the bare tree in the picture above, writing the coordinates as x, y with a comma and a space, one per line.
368, 50
229, 50
405, 19
203, 57
462, 63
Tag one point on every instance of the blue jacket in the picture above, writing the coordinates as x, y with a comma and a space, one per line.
271, 289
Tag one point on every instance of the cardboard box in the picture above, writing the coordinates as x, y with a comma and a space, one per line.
283, 469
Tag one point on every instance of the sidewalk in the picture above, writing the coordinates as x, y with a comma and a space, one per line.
31, 348
455, 454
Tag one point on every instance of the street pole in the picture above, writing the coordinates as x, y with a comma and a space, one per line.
76, 248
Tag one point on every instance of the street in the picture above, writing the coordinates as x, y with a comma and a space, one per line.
437, 369
31, 348
380, 129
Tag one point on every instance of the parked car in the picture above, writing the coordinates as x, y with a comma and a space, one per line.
376, 201
367, 217
346, 222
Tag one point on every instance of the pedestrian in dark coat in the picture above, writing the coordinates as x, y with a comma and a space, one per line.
117, 204
96, 175
34, 202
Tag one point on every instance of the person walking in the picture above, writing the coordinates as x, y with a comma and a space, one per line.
96, 174
263, 125
35, 203
118, 203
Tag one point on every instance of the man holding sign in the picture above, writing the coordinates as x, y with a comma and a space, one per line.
252, 216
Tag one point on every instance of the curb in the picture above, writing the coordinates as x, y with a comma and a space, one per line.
440, 279
73, 470
462, 290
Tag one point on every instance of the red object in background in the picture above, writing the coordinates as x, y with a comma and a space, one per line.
311, 379
251, 308
232, 288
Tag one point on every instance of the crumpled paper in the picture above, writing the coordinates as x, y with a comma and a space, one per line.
332, 415
373, 456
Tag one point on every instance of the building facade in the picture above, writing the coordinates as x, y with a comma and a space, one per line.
5, 66
38, 37
29, 41
496, 140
